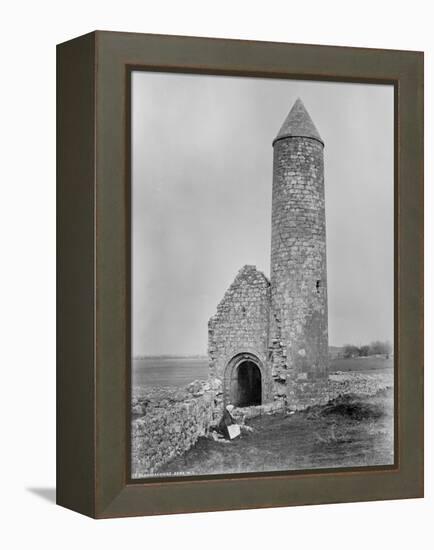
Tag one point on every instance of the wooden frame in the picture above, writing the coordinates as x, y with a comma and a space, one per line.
93, 361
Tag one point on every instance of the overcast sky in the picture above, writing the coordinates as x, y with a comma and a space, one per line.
201, 201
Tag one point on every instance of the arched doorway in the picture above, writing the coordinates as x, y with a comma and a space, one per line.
247, 385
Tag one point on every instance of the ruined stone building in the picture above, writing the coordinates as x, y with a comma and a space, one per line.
268, 341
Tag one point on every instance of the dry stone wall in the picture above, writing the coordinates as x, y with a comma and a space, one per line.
168, 421
362, 384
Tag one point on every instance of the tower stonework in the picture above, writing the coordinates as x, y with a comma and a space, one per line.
298, 313
268, 341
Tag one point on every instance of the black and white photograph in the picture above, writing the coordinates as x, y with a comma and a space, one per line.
218, 256
262, 291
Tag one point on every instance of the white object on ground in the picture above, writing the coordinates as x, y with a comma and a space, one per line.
234, 431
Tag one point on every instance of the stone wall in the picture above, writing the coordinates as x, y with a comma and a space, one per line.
361, 384
298, 319
168, 421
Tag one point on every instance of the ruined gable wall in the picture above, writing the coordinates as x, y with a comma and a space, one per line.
241, 323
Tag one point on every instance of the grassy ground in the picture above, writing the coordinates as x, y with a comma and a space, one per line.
350, 431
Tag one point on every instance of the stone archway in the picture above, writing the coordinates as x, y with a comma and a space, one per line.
244, 381
247, 389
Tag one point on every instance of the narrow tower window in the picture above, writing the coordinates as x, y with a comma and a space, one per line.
318, 286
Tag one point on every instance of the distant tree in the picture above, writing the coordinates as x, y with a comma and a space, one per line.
380, 348
350, 351
364, 351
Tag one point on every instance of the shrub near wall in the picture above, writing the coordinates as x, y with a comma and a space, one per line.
168, 423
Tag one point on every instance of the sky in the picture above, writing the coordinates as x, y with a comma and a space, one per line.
201, 200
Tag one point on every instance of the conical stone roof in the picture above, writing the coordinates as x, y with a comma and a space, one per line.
298, 124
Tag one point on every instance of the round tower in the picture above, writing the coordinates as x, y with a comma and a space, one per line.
298, 313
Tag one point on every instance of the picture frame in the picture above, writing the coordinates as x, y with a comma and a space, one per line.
94, 273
